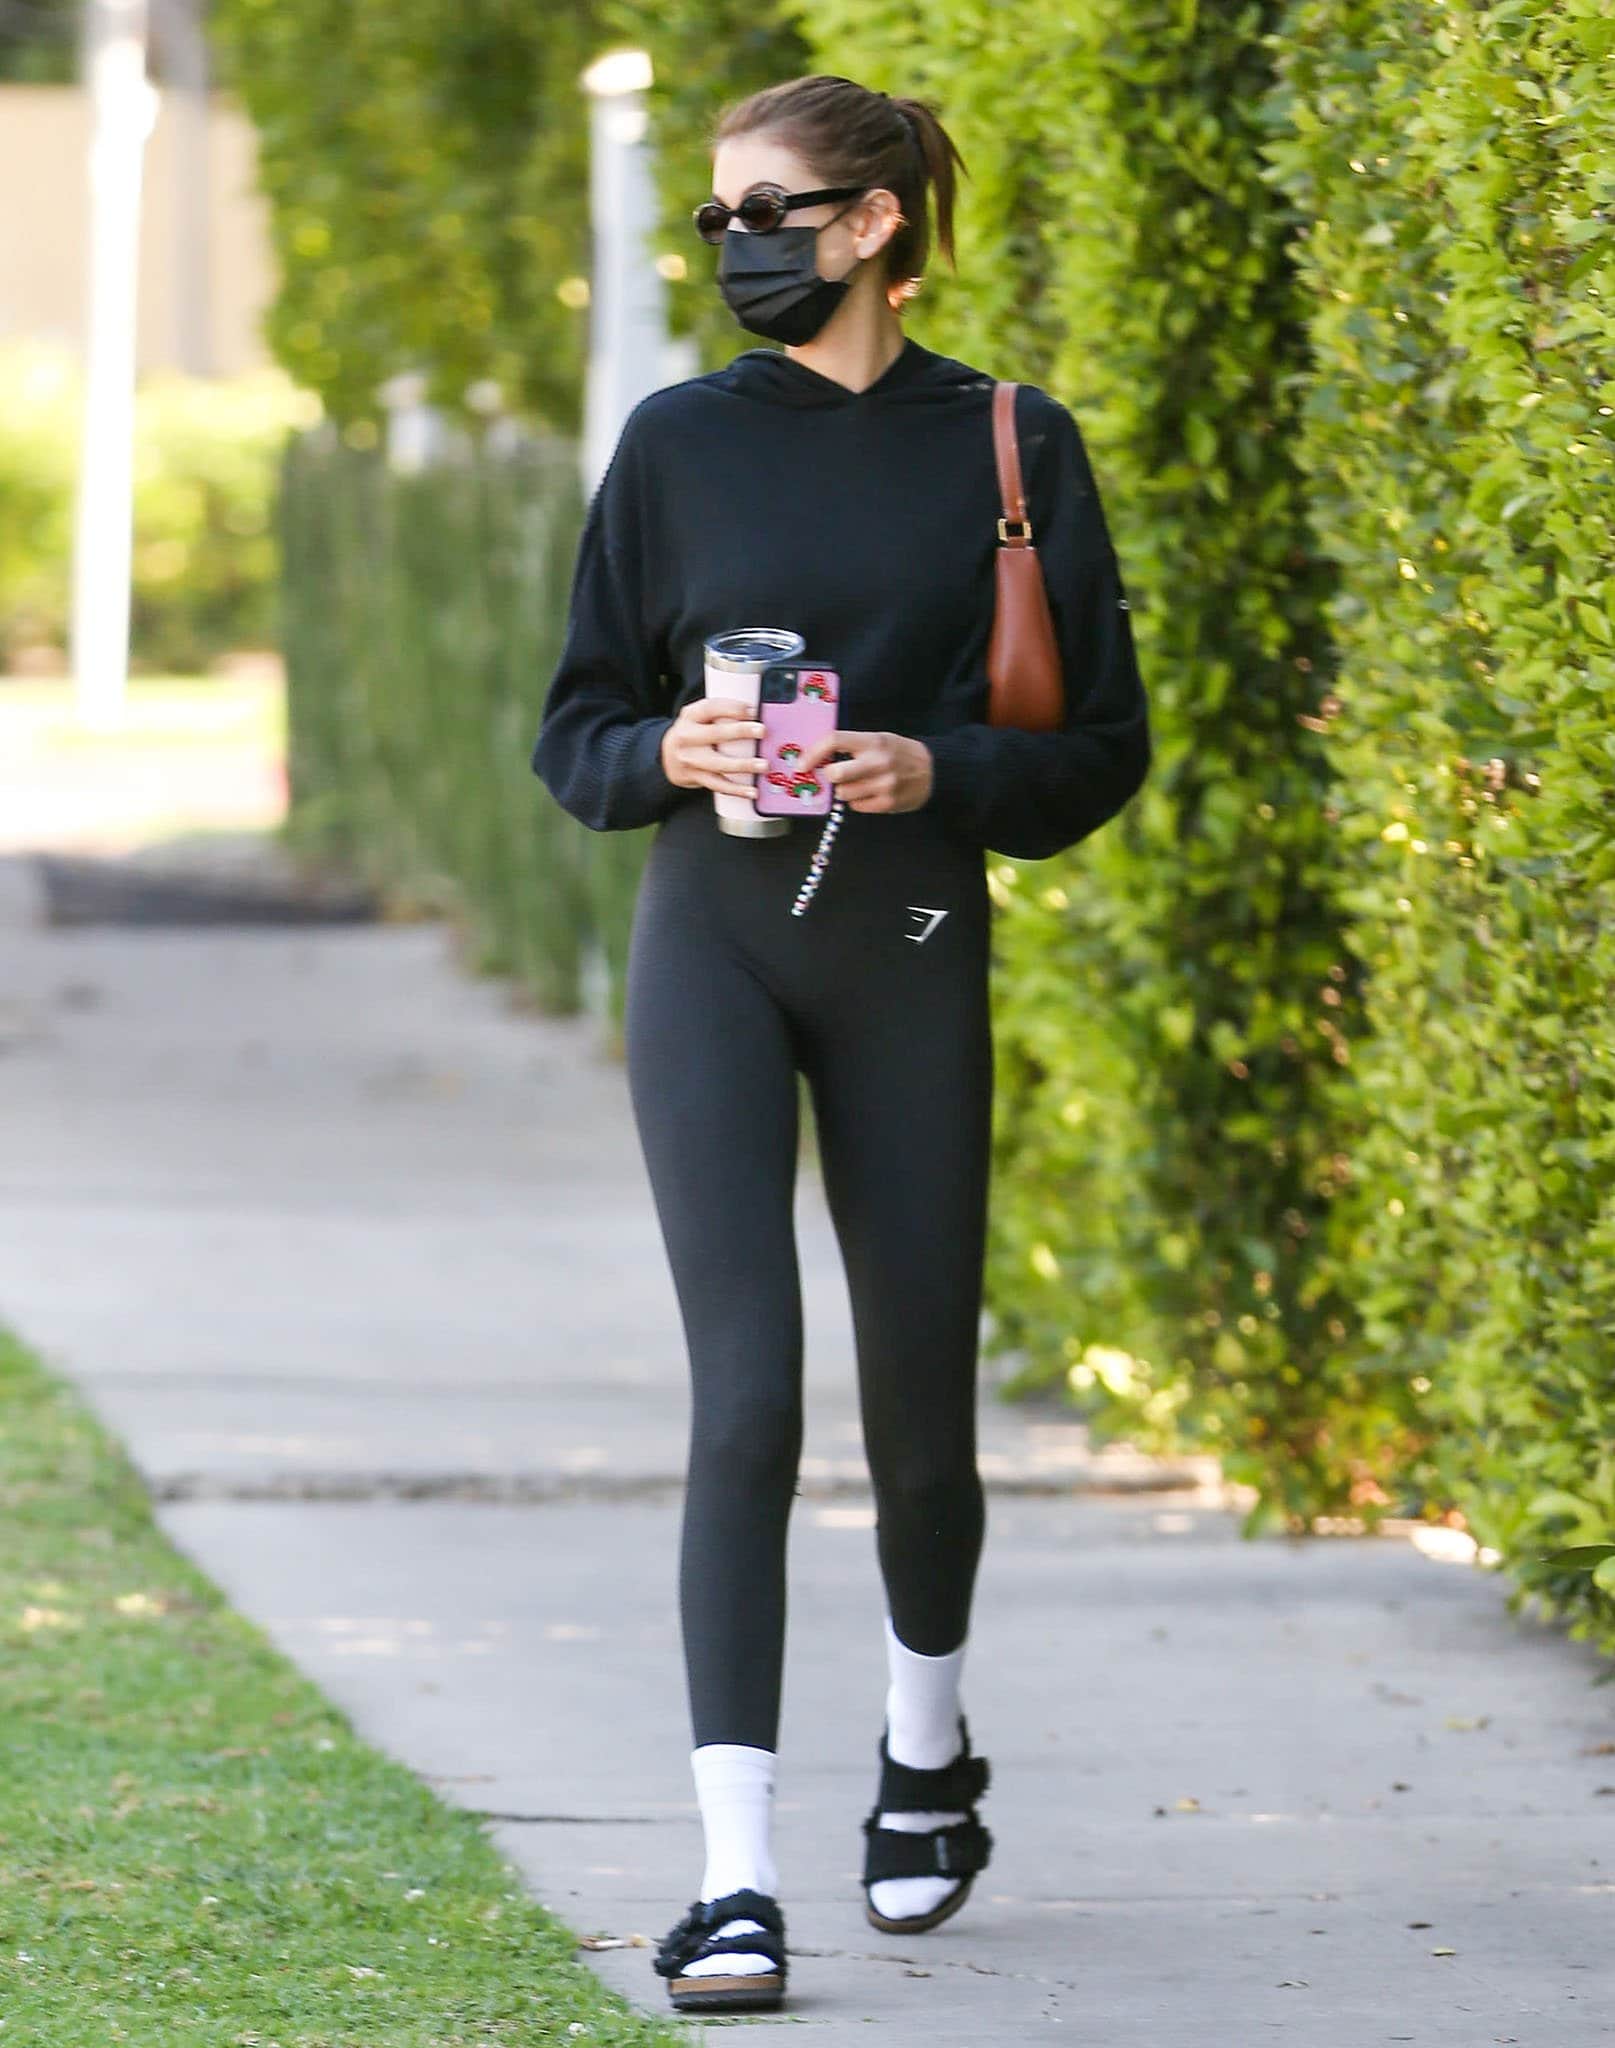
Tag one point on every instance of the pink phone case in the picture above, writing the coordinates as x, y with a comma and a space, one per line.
787, 731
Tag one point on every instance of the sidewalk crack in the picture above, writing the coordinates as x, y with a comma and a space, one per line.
933, 1964
538, 1489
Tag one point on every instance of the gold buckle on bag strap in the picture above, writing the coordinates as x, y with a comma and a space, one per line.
1025, 534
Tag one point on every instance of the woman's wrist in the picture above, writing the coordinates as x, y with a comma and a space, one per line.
949, 775
928, 773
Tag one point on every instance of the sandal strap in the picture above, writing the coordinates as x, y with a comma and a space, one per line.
732, 1945
696, 1933
953, 1851
949, 1789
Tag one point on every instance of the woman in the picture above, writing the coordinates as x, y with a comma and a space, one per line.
844, 488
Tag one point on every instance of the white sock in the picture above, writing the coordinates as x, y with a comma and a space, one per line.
734, 1786
922, 1704
922, 1730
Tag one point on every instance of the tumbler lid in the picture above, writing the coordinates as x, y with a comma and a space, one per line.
752, 648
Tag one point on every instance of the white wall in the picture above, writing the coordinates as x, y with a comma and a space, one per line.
43, 140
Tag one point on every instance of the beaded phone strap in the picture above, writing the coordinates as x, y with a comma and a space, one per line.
821, 855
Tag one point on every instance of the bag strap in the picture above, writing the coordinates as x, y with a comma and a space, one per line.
1006, 449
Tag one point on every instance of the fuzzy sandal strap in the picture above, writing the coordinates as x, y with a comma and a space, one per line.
954, 1851
696, 1934
952, 1788
736, 1945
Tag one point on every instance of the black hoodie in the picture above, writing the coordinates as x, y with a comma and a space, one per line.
766, 494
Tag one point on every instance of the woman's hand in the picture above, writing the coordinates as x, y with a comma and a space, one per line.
690, 758
888, 771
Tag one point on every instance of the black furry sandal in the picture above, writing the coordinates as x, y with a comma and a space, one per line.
696, 1935
957, 1850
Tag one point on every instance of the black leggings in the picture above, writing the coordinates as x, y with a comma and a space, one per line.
883, 1005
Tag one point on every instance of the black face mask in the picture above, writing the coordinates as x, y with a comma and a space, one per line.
771, 283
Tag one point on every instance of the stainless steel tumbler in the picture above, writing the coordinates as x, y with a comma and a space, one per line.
734, 668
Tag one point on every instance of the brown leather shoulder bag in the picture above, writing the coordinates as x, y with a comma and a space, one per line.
1027, 684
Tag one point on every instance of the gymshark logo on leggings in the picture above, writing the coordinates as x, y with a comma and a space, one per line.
933, 917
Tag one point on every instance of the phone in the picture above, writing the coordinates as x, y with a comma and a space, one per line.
797, 704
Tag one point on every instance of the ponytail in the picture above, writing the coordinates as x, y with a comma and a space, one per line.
939, 154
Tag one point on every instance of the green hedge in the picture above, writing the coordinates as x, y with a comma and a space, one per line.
421, 618
1457, 174
205, 465
1305, 1128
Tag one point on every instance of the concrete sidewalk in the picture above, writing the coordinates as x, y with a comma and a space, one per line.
364, 1269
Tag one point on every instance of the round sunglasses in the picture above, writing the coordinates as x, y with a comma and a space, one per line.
763, 210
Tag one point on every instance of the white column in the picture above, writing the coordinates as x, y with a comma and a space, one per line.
629, 353
123, 107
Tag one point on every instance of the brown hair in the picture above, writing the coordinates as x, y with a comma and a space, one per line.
852, 136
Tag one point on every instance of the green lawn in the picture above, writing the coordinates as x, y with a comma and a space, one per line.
194, 1845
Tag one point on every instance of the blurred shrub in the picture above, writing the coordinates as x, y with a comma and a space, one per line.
426, 166
39, 407
39, 42
205, 465
422, 614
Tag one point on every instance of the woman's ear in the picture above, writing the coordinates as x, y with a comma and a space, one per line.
877, 219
